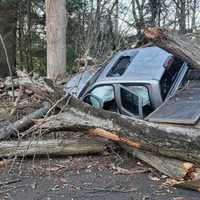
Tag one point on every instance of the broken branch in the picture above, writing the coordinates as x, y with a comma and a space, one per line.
52, 147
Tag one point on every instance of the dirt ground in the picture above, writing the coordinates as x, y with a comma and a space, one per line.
111, 176
86, 178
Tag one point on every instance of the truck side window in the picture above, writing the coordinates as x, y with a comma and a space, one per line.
120, 67
130, 100
169, 77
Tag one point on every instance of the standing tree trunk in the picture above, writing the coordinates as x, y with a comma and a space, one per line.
154, 6
8, 31
116, 17
29, 37
138, 15
194, 8
182, 16
56, 38
20, 41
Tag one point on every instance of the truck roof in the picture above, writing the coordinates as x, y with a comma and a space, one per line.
146, 65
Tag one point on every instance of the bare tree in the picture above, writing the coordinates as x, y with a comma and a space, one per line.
56, 38
116, 16
194, 9
155, 11
181, 12
138, 14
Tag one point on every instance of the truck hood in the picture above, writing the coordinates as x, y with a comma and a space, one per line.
78, 82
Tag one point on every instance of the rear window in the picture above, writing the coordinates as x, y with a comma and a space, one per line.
120, 67
170, 76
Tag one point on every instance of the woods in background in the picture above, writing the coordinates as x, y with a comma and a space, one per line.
95, 28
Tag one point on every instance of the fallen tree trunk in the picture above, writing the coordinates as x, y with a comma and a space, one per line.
174, 168
176, 142
51, 147
177, 44
181, 143
24, 123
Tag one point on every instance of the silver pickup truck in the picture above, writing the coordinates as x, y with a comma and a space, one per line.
133, 82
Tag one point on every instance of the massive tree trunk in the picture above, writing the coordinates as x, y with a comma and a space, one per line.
176, 44
56, 38
8, 31
182, 143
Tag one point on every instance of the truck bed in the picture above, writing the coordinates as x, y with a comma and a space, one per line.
183, 108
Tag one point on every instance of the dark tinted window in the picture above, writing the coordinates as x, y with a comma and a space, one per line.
120, 67
169, 77
130, 101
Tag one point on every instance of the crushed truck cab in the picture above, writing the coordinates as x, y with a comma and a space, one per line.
133, 82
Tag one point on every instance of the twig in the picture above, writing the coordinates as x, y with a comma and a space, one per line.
98, 189
17, 101
10, 182
55, 105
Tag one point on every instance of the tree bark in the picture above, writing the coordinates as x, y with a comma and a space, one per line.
53, 147
56, 21
176, 44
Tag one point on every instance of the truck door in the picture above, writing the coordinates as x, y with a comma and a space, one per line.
134, 100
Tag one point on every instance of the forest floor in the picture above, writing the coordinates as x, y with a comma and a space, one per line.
109, 176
